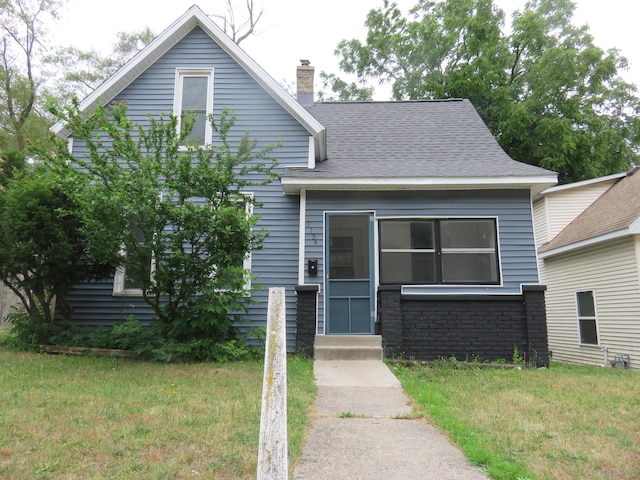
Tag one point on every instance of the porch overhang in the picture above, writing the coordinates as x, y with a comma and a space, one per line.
293, 185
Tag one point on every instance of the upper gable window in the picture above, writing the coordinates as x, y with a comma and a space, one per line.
194, 93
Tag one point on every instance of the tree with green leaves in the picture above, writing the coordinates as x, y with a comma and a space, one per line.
43, 252
23, 33
79, 72
550, 96
12, 162
173, 216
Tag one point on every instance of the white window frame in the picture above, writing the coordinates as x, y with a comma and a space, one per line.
119, 277
439, 251
593, 318
181, 74
246, 263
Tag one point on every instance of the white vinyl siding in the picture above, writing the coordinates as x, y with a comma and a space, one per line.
541, 231
555, 210
611, 270
564, 206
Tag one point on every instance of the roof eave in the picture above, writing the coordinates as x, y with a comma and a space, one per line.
293, 185
166, 40
584, 183
633, 229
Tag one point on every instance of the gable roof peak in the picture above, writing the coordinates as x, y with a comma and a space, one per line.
192, 18
611, 215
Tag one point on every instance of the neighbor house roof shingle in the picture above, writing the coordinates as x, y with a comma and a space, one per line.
614, 211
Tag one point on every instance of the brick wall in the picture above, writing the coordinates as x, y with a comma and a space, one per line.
466, 327
306, 305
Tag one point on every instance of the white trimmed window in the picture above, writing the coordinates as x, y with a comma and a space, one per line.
587, 319
447, 252
246, 263
129, 280
194, 93
241, 203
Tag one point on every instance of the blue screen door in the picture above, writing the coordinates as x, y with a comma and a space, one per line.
349, 274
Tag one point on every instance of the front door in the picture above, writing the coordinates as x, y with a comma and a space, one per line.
349, 274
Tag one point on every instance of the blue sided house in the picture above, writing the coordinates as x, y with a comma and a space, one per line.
404, 220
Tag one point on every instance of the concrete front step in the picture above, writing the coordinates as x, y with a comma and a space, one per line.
348, 347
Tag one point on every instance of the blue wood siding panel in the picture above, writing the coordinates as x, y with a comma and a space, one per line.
512, 208
267, 122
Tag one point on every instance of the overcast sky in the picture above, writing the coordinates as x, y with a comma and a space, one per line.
291, 30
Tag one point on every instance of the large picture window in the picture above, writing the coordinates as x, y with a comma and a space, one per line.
587, 321
194, 93
451, 251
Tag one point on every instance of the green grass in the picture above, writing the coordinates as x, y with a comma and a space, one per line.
88, 417
565, 422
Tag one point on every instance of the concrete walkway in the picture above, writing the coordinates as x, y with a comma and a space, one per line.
362, 430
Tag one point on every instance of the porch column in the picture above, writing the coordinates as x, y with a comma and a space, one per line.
536, 318
390, 319
306, 317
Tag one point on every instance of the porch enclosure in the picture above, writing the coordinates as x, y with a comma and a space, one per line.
487, 307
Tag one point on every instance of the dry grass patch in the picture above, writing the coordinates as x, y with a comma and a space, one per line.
565, 422
83, 417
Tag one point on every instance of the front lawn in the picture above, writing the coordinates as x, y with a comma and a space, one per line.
564, 422
86, 417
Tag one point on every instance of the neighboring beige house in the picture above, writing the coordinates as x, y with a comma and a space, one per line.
588, 239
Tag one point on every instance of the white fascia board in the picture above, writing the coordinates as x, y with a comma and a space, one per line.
113, 85
172, 35
584, 183
633, 229
535, 184
311, 161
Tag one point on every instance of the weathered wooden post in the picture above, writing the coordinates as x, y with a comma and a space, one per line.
273, 458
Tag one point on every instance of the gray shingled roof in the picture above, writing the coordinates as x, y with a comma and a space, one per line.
436, 138
615, 210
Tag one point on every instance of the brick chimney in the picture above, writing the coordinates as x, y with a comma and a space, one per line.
304, 77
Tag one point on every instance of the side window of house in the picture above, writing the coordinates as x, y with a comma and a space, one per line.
247, 208
130, 279
587, 321
194, 95
451, 251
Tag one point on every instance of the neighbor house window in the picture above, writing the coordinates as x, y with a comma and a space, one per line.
587, 322
194, 93
451, 251
130, 279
